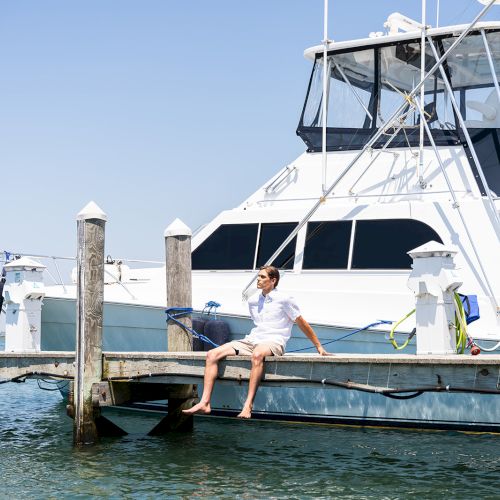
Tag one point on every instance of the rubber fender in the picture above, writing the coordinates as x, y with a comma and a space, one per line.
217, 331
199, 327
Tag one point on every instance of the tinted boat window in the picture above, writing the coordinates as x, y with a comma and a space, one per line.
382, 244
487, 145
327, 245
231, 246
271, 237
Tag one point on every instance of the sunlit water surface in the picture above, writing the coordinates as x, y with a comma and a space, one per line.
228, 458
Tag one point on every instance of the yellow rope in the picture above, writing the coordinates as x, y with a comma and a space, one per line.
391, 335
460, 325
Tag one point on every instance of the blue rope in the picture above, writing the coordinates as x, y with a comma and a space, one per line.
211, 304
381, 322
182, 311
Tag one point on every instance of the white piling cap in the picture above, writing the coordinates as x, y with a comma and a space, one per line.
177, 228
433, 249
23, 263
91, 211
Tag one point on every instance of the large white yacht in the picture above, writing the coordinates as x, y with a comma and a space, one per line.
374, 182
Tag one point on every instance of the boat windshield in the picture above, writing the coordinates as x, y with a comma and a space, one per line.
367, 85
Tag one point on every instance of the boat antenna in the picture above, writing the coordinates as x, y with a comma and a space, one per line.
326, 78
420, 164
437, 14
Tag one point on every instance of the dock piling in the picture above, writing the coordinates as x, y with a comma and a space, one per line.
88, 424
179, 294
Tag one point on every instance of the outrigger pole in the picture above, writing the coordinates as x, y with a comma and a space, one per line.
372, 141
420, 163
326, 80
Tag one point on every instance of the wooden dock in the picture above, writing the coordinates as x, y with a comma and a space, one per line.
100, 379
389, 373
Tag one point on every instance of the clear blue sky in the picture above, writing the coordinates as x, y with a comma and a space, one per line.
156, 109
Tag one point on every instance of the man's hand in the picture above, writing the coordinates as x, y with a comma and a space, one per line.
306, 328
323, 352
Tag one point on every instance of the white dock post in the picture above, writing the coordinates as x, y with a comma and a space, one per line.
179, 294
434, 281
24, 291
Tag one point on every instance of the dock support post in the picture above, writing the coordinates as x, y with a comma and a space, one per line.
87, 423
179, 294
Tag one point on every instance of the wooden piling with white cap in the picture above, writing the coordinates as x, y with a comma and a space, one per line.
88, 423
91, 221
179, 294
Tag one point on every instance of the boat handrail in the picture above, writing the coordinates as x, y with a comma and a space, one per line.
60, 281
358, 195
59, 257
277, 181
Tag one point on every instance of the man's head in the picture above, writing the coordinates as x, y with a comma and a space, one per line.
268, 278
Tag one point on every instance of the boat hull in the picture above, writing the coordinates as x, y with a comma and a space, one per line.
136, 328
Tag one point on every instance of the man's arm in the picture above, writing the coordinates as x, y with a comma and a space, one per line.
309, 332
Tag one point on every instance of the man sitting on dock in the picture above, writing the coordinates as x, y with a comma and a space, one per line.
273, 313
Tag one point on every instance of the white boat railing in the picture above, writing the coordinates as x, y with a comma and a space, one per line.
59, 281
278, 181
359, 195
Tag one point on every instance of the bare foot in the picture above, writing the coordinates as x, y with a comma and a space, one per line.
246, 413
200, 409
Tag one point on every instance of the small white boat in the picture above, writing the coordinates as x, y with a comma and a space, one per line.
375, 182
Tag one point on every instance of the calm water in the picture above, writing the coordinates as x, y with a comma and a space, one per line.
227, 458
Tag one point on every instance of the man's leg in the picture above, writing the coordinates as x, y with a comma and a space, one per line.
258, 355
211, 371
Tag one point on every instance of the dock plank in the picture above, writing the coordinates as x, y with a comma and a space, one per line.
57, 364
385, 371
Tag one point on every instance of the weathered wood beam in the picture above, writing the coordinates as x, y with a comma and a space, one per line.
119, 393
57, 364
387, 371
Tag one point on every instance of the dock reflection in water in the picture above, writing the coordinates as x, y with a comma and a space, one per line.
228, 458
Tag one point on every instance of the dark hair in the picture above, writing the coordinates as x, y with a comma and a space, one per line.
272, 272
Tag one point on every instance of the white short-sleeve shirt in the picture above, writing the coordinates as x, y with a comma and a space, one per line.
273, 315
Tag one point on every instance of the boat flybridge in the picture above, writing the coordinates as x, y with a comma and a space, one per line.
403, 150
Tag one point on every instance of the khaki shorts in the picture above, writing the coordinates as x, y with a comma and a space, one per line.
246, 348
